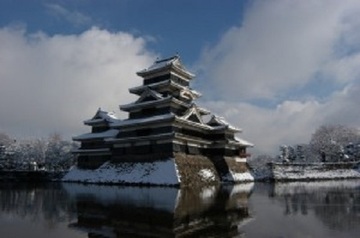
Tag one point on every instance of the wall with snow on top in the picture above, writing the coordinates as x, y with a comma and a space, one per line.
315, 171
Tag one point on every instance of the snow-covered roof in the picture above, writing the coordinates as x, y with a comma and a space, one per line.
192, 112
140, 138
192, 123
102, 116
222, 122
186, 89
140, 89
99, 135
134, 105
149, 93
195, 110
244, 142
168, 99
203, 111
204, 143
134, 122
190, 94
172, 62
85, 151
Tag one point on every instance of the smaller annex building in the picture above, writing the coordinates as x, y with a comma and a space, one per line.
165, 124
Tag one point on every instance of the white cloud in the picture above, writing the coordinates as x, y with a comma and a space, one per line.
269, 128
53, 83
74, 17
282, 47
291, 122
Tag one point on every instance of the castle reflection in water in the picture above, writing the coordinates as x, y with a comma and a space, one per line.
159, 212
223, 211
113, 211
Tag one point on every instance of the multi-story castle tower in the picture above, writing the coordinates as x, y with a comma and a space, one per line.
164, 122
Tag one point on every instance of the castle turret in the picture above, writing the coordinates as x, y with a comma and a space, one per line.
93, 150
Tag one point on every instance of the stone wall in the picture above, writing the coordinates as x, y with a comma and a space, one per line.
196, 170
236, 166
315, 171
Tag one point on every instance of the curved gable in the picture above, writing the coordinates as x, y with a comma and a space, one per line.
149, 95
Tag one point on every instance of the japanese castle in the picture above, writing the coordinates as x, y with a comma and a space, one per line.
164, 122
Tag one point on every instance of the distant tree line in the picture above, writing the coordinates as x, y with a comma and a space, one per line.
329, 143
52, 153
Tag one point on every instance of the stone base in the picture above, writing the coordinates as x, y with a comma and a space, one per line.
179, 170
197, 170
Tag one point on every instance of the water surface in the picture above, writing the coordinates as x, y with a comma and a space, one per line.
316, 209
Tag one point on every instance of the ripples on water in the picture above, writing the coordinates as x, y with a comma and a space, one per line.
316, 209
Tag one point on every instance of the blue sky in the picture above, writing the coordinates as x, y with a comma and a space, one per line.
172, 26
278, 69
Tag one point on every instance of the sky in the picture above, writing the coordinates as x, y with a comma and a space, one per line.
278, 69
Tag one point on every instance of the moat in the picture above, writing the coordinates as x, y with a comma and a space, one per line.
299, 209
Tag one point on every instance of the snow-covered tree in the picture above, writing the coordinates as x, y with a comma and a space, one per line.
300, 153
58, 154
328, 140
5, 139
52, 153
287, 153
28, 151
284, 153
260, 165
292, 153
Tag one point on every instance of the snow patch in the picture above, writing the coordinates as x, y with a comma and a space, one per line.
207, 175
207, 193
242, 188
156, 173
240, 160
238, 177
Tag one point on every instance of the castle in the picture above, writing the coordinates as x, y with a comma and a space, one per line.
164, 122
